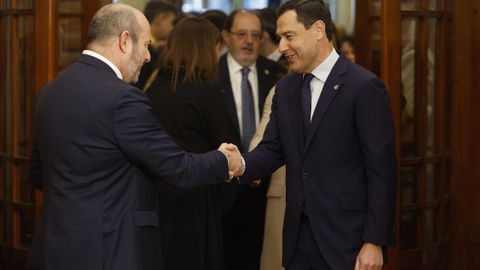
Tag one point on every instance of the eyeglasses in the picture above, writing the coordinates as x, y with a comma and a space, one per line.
243, 34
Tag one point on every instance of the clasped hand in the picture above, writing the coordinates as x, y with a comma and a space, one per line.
235, 161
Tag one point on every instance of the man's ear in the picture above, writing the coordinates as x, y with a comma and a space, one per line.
226, 37
319, 27
124, 41
264, 38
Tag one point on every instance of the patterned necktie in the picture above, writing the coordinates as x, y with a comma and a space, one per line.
306, 102
248, 111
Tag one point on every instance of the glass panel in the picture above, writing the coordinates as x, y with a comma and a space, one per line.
431, 86
26, 79
447, 177
408, 116
433, 4
24, 4
3, 217
449, 68
449, 5
376, 45
70, 6
7, 116
430, 183
410, 4
376, 7
2, 179
7, 180
409, 185
431, 227
409, 226
4, 76
27, 226
70, 40
27, 193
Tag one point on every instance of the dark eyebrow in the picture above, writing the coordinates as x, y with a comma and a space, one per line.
286, 33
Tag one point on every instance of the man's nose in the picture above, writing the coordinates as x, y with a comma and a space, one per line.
282, 45
148, 57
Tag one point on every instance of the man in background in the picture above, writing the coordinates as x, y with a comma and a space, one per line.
269, 46
160, 15
245, 80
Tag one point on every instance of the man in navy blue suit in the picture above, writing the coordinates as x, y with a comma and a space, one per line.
97, 147
331, 124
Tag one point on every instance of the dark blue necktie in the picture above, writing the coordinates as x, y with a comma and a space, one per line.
248, 111
306, 102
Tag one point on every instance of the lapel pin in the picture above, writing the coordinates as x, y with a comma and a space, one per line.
267, 71
335, 87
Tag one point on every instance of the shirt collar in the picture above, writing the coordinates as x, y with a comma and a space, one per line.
236, 67
322, 71
105, 60
275, 55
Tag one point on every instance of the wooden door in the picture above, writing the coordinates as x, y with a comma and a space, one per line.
37, 40
17, 88
411, 50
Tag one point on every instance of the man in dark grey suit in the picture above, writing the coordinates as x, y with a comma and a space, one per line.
97, 146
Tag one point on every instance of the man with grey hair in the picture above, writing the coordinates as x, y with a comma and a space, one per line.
97, 146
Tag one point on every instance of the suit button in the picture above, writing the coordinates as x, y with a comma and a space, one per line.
299, 204
305, 176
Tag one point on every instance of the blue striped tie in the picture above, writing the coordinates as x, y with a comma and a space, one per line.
248, 111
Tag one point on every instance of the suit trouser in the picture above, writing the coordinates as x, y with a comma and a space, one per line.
307, 255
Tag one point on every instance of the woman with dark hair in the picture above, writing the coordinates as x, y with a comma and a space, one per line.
190, 107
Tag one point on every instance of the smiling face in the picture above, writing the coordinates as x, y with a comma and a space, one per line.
243, 39
300, 46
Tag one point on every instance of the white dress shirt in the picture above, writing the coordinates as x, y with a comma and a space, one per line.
235, 72
275, 56
105, 60
320, 74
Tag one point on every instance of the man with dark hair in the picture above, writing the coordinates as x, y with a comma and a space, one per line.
245, 79
331, 125
97, 147
160, 15
269, 47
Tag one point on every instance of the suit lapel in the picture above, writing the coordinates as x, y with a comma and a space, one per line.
295, 107
331, 88
226, 90
264, 77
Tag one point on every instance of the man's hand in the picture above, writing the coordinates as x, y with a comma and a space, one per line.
370, 257
235, 160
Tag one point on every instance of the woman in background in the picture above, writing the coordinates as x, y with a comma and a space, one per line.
190, 107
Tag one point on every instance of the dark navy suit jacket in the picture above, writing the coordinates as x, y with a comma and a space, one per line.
343, 173
97, 146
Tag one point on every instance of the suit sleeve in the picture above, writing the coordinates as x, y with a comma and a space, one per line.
146, 143
267, 157
373, 118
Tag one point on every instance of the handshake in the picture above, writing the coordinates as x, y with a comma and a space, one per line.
236, 164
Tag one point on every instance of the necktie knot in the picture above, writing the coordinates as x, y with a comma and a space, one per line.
307, 78
245, 71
